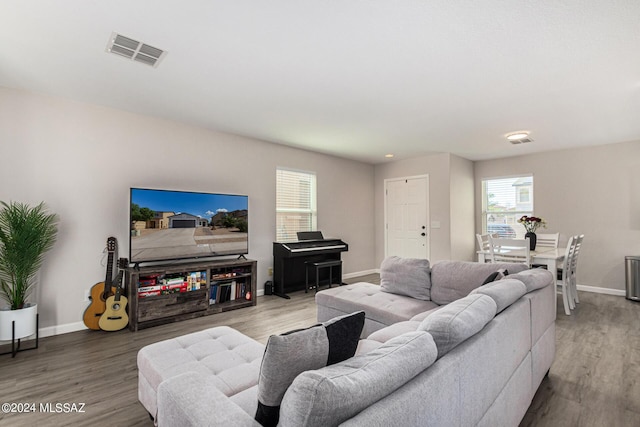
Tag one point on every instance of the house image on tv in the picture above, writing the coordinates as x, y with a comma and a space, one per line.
160, 220
185, 220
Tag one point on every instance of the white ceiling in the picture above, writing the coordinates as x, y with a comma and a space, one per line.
353, 78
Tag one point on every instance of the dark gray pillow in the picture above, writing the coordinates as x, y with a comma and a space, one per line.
496, 275
289, 354
406, 276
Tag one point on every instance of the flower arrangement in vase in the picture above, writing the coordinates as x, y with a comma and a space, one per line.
531, 224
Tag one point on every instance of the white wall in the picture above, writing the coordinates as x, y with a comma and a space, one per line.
593, 190
450, 202
462, 209
82, 159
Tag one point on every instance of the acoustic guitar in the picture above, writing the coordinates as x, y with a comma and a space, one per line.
101, 291
115, 315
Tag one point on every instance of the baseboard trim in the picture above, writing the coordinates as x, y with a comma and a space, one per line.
598, 290
50, 331
360, 273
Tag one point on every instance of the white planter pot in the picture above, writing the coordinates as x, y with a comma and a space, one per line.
25, 321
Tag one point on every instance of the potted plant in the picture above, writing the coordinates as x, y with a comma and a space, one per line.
26, 233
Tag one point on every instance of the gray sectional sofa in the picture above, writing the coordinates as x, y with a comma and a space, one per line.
408, 288
476, 360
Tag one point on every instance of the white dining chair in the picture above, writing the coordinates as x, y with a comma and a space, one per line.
484, 245
563, 280
547, 240
510, 250
573, 288
544, 241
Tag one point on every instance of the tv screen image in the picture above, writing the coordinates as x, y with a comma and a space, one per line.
168, 225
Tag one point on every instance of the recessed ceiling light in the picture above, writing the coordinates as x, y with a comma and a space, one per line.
388, 156
520, 137
517, 135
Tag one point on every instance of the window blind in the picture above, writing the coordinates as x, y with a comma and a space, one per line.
295, 203
504, 201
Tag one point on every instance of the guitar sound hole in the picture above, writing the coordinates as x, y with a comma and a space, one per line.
116, 306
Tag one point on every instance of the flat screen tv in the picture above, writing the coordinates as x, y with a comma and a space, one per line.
170, 225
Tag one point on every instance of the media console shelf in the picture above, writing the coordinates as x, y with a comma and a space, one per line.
168, 293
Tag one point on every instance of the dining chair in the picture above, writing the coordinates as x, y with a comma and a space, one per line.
485, 246
510, 250
573, 290
547, 240
563, 280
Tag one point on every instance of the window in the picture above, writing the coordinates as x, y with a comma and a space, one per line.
295, 203
504, 201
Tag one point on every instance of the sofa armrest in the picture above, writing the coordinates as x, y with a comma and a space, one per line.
189, 400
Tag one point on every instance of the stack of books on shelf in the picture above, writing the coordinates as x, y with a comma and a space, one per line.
225, 287
160, 284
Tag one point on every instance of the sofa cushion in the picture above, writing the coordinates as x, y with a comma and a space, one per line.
534, 279
452, 280
406, 276
366, 345
504, 292
329, 396
421, 316
291, 353
381, 307
385, 334
458, 321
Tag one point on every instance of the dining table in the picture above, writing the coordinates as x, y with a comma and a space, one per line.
552, 258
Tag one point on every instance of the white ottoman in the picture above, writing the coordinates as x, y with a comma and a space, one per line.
231, 359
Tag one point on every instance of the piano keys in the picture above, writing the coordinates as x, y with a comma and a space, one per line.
289, 260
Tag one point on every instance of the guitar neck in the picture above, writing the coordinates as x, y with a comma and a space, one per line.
118, 285
108, 281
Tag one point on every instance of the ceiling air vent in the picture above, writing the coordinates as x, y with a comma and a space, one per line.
135, 50
520, 141
519, 137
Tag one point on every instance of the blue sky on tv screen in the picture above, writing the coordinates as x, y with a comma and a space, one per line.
204, 205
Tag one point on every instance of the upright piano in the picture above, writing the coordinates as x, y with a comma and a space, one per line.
289, 260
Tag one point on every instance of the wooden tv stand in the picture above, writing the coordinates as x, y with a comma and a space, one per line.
168, 293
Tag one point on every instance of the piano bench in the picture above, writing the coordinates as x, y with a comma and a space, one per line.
317, 266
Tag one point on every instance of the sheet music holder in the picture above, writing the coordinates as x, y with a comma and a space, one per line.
310, 235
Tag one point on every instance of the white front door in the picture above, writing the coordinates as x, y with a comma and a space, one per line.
406, 217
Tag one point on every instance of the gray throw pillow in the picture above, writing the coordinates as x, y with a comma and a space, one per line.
406, 276
459, 321
289, 354
331, 395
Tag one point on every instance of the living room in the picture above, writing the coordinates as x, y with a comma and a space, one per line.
81, 158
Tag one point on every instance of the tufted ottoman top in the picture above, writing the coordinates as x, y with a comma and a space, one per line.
230, 359
378, 305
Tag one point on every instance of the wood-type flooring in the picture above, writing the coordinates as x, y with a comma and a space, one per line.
594, 381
